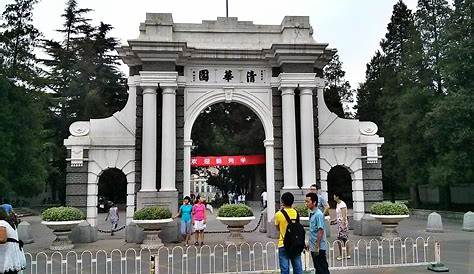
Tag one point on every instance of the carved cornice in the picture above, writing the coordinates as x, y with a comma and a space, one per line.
163, 79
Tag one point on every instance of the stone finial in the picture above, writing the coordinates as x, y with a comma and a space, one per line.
165, 19
468, 222
435, 224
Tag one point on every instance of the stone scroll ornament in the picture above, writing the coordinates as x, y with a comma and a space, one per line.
79, 129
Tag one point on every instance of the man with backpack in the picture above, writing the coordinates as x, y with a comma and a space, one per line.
291, 241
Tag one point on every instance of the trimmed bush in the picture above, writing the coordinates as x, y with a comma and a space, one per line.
302, 210
152, 213
389, 208
61, 214
235, 210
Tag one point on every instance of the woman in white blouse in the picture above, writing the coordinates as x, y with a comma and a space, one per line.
12, 258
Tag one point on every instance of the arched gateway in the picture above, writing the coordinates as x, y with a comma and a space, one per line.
177, 70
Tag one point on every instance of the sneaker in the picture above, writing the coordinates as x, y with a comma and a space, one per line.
196, 243
348, 257
339, 258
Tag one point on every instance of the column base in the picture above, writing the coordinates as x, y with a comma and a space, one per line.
146, 199
300, 195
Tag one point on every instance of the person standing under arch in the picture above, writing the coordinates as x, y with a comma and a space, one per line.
342, 226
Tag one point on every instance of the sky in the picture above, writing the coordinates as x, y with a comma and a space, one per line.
353, 27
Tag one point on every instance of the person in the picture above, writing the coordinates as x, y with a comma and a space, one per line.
317, 234
281, 223
13, 218
264, 199
342, 225
199, 220
323, 204
185, 213
114, 217
12, 258
231, 197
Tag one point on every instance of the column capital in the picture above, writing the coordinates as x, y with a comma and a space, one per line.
169, 90
294, 80
306, 91
163, 79
268, 143
287, 91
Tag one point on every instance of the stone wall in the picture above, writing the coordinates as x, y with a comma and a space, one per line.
278, 145
179, 140
372, 180
316, 134
138, 141
76, 184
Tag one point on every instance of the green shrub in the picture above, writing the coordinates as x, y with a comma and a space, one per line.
303, 211
152, 213
55, 214
389, 208
235, 210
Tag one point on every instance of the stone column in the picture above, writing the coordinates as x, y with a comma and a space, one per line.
270, 183
168, 139
187, 168
149, 140
308, 162
290, 176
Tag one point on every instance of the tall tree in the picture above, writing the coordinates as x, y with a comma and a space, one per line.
432, 17
337, 93
18, 39
23, 164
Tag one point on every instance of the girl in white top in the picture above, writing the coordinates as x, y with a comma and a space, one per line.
342, 225
12, 259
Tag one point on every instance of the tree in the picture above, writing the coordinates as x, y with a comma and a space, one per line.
18, 39
23, 164
338, 91
432, 18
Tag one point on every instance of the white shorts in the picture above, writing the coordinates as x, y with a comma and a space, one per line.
199, 225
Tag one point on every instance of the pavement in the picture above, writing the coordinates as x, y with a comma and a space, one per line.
457, 246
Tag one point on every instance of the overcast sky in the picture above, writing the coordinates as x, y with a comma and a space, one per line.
354, 27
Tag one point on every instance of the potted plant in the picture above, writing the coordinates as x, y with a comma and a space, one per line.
151, 219
303, 212
235, 216
389, 214
62, 220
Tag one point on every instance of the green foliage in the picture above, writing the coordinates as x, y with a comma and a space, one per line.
235, 210
302, 210
56, 214
338, 90
18, 39
23, 162
152, 213
389, 208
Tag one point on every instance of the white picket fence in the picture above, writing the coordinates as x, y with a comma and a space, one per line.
243, 258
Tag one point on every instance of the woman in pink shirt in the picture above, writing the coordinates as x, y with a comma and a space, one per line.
199, 220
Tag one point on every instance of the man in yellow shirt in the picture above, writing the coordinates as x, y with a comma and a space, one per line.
287, 200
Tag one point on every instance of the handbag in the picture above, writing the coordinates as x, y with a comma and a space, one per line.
3, 235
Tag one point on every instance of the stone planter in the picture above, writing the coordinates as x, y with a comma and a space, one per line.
235, 225
151, 229
61, 230
390, 224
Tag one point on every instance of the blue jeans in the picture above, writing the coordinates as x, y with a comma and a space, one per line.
285, 262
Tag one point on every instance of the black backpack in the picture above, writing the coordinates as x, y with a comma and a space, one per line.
294, 241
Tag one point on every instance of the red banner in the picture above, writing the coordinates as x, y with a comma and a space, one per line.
242, 160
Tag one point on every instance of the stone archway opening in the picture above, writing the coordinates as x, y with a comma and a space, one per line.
229, 129
339, 180
112, 187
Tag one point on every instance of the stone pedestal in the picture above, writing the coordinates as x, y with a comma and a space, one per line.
368, 226
24, 232
300, 195
169, 232
468, 222
147, 198
134, 234
434, 224
83, 233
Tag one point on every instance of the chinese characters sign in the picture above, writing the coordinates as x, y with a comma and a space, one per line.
228, 75
242, 160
